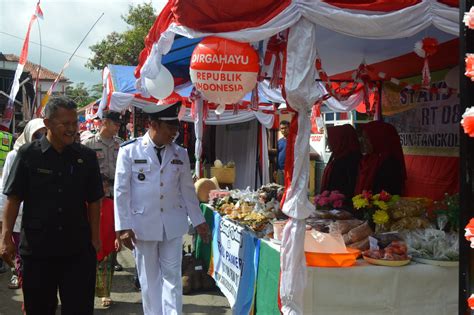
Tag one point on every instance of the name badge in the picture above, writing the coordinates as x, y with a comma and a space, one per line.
44, 171
178, 162
140, 161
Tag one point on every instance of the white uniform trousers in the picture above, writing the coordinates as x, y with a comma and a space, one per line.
159, 271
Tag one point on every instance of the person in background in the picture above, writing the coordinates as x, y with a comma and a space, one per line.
35, 129
60, 186
106, 145
154, 196
383, 165
341, 171
281, 152
110, 246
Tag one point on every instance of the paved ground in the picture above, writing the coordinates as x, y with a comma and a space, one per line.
127, 301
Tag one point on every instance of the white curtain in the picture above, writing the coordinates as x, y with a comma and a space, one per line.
238, 142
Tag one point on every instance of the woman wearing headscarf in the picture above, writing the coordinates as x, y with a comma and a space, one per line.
341, 171
383, 165
34, 129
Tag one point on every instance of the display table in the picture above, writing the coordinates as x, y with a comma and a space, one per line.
363, 289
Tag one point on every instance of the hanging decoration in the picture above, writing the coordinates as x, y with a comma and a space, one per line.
470, 302
274, 54
467, 123
161, 86
469, 18
425, 48
469, 66
224, 70
361, 77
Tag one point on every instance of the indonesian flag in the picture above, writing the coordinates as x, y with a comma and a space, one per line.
9, 109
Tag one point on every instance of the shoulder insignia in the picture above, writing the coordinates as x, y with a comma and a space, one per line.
128, 142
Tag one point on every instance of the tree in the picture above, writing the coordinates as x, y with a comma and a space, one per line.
124, 48
83, 95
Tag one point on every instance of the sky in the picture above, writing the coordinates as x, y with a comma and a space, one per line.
65, 24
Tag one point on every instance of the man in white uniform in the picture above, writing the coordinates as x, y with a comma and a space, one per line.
154, 196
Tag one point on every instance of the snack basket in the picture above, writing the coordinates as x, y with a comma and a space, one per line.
224, 175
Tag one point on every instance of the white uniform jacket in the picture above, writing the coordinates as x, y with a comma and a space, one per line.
151, 199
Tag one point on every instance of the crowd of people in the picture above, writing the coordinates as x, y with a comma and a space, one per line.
69, 208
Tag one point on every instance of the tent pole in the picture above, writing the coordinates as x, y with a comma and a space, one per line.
257, 162
380, 87
466, 159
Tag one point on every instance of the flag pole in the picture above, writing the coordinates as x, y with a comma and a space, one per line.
51, 89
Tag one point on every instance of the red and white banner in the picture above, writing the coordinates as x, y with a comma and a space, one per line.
10, 108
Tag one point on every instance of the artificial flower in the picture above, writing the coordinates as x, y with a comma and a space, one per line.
366, 194
323, 201
469, 18
469, 66
325, 193
428, 46
338, 204
335, 196
359, 202
467, 121
380, 204
380, 217
385, 196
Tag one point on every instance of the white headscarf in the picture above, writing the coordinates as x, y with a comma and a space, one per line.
27, 135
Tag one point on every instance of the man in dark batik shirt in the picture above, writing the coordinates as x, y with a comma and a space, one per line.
60, 186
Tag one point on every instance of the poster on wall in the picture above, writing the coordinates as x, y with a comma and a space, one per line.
235, 263
428, 123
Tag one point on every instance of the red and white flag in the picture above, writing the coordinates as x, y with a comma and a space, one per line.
9, 109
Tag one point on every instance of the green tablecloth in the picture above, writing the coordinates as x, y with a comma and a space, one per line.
202, 250
267, 280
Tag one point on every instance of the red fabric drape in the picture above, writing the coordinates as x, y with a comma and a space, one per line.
431, 176
107, 228
161, 24
342, 141
226, 15
385, 143
373, 5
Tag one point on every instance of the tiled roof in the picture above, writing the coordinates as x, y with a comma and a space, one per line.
32, 68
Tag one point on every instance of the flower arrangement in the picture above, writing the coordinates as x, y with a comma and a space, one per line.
447, 212
329, 200
375, 206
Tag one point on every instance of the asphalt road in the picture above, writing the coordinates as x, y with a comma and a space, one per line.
126, 299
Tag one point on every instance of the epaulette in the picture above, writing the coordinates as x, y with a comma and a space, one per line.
128, 142
118, 138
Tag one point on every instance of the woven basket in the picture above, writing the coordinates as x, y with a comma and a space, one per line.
224, 175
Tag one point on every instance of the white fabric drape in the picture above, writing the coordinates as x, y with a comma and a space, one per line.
105, 91
301, 93
120, 101
264, 161
239, 144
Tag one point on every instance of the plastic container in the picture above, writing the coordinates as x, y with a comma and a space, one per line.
332, 260
278, 229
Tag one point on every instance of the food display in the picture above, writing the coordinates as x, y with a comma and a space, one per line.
408, 214
433, 244
254, 210
396, 251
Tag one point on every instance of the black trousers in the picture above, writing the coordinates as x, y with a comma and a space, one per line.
74, 277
